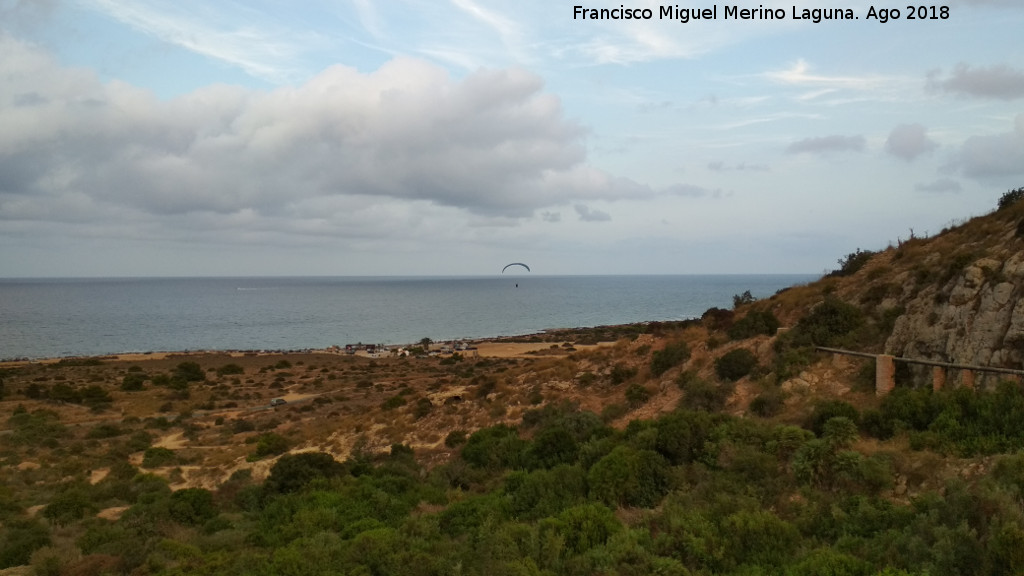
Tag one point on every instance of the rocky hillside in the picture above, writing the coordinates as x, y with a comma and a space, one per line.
954, 297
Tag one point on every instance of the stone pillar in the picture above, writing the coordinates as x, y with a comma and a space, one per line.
967, 378
938, 378
885, 374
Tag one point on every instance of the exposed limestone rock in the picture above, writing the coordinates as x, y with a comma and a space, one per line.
981, 322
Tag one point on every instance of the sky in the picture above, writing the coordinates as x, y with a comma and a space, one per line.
451, 137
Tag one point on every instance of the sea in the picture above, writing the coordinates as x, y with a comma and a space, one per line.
53, 318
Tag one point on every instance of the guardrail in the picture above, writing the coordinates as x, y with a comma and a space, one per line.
885, 371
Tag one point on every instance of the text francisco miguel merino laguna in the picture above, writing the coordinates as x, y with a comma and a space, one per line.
734, 12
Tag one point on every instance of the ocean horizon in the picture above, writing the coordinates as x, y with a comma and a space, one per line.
63, 317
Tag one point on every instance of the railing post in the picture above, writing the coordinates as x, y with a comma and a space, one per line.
885, 374
938, 378
967, 378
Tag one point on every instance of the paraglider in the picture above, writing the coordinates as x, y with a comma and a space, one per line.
515, 264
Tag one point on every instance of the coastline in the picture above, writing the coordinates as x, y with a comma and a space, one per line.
498, 347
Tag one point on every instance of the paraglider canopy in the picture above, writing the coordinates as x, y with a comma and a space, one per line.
515, 264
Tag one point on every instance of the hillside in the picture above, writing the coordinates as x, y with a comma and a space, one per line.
725, 445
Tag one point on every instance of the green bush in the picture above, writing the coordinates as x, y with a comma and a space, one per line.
455, 438
192, 506
768, 403
189, 372
422, 408
853, 262
133, 382
230, 369
829, 322
637, 395
673, 354
157, 457
552, 446
68, 506
629, 477
494, 448
756, 322
544, 493
699, 394
21, 537
827, 410
1010, 198
270, 444
621, 373
735, 364
292, 472
393, 402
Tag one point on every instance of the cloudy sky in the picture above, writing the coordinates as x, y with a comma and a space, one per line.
408, 137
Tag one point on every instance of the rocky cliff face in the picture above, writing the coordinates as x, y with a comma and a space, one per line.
976, 315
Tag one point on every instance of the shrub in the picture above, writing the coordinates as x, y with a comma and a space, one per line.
292, 472
68, 506
192, 506
853, 262
735, 364
455, 438
189, 372
230, 369
270, 444
827, 410
392, 403
422, 408
755, 323
239, 426
699, 394
133, 381
23, 537
494, 448
621, 373
629, 477
1010, 198
828, 323
717, 318
156, 457
552, 446
742, 299
673, 354
768, 403
637, 395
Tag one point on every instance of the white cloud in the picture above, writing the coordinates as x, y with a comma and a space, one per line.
492, 144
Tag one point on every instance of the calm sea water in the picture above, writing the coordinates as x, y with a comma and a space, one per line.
69, 317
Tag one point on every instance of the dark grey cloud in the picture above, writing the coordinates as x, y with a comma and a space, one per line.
827, 144
940, 186
1000, 82
588, 214
908, 141
493, 143
997, 155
